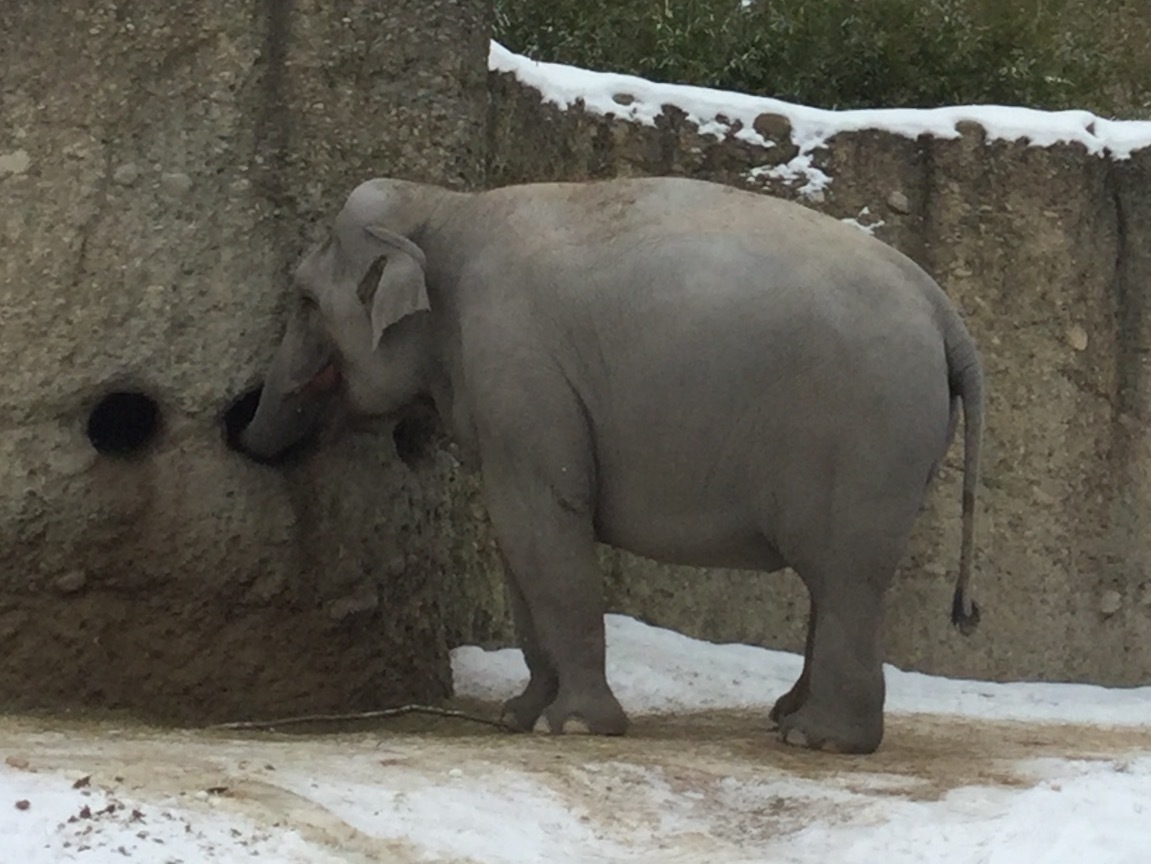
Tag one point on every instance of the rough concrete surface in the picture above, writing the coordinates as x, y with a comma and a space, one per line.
1045, 251
164, 164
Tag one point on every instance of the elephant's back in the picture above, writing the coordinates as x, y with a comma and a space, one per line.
632, 209
652, 259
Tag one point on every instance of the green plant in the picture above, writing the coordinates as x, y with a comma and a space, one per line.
853, 53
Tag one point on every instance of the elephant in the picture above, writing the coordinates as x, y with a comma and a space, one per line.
694, 373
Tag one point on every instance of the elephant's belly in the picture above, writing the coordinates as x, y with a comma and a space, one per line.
699, 538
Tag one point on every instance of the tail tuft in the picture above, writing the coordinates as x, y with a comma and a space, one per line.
966, 621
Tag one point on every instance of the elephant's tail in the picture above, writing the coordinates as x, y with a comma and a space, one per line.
966, 382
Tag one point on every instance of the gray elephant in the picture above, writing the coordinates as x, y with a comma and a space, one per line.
690, 372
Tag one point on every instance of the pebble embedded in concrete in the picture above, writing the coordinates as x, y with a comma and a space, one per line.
71, 582
1077, 337
16, 162
898, 202
1110, 602
772, 126
175, 183
126, 174
362, 601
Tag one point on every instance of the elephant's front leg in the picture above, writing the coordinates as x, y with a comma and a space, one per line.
548, 542
793, 699
524, 710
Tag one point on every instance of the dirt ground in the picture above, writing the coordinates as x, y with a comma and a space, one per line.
694, 758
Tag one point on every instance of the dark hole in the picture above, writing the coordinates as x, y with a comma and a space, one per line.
416, 437
123, 423
236, 418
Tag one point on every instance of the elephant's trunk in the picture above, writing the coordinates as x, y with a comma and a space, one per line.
272, 433
272, 422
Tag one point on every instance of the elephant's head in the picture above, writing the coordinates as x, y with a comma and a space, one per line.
353, 334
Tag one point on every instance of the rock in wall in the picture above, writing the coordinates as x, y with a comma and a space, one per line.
162, 166
1045, 250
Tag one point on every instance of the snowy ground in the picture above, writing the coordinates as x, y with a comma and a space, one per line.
969, 772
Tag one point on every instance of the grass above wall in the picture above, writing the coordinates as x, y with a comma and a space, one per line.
1053, 54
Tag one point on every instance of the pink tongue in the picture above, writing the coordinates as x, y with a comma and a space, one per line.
326, 379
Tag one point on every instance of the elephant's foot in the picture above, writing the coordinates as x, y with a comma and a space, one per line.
600, 714
522, 712
825, 730
788, 703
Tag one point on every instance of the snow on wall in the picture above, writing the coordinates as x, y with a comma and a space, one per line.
716, 113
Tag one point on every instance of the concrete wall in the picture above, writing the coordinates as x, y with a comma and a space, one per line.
162, 165
1047, 252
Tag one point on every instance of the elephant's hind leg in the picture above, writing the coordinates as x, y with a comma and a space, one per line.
847, 580
843, 711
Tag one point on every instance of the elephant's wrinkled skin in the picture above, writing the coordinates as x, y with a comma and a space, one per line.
687, 371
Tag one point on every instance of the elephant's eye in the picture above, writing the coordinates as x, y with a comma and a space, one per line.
308, 303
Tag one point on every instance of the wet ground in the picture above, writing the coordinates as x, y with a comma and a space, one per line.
712, 786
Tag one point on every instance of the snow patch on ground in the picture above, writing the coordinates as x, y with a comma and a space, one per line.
684, 788
1093, 813
463, 814
62, 823
656, 671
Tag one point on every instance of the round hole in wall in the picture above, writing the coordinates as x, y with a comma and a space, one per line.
415, 437
123, 423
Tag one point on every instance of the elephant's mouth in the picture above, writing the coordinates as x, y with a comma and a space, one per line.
325, 381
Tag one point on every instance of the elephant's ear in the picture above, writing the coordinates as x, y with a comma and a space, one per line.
402, 290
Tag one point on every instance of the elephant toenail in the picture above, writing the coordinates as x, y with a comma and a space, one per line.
542, 727
795, 738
